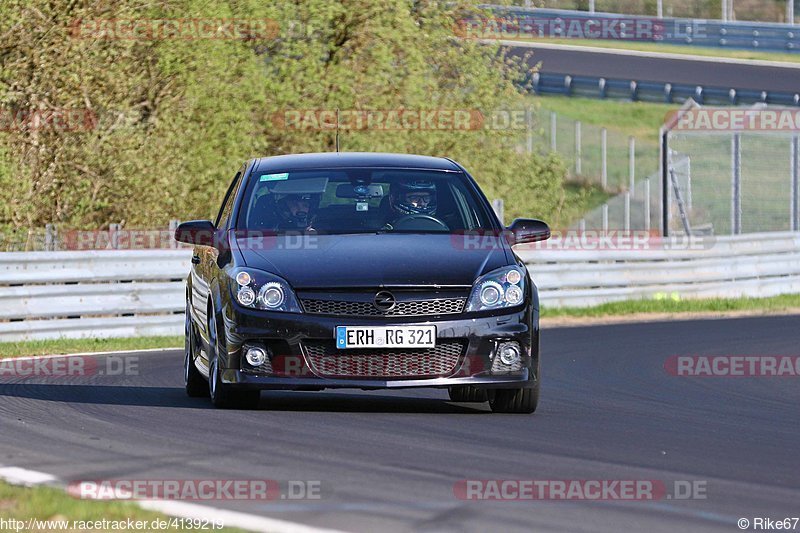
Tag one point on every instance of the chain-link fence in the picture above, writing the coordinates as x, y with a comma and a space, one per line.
732, 171
750, 10
55, 238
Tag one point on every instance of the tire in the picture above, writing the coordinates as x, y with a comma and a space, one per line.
467, 393
223, 396
194, 382
523, 401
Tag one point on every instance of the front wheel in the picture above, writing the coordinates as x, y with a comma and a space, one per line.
522, 401
467, 393
225, 397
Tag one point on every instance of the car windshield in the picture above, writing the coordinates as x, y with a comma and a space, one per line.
362, 200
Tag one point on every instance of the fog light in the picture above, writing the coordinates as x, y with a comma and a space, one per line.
256, 356
509, 354
246, 296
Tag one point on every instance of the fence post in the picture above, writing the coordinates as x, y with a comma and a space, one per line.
49, 237
173, 225
795, 186
736, 184
582, 226
499, 209
790, 12
605, 218
529, 125
660, 9
632, 164
578, 147
604, 158
647, 204
553, 131
113, 230
626, 214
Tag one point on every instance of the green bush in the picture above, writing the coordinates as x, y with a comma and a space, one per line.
175, 118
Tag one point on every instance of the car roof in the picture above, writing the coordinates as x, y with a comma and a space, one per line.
353, 159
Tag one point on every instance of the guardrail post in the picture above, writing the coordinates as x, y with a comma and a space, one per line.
604, 158
578, 147
795, 200
634, 91
668, 92
601, 85
736, 184
632, 164
553, 131
647, 204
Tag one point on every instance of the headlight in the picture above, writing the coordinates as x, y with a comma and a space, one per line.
260, 290
504, 287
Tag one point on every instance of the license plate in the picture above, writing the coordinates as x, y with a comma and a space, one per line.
385, 337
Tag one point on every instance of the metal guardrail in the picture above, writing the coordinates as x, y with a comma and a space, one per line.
754, 265
768, 36
124, 293
648, 91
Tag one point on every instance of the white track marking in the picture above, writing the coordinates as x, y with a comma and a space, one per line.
21, 476
153, 351
229, 518
30, 478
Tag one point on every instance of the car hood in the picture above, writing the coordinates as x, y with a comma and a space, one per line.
370, 260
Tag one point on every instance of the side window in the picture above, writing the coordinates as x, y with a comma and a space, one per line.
227, 206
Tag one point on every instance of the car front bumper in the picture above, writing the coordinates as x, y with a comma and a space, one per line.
287, 337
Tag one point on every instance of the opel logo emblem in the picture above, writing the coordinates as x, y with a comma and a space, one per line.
384, 301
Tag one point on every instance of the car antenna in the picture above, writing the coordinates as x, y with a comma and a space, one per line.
337, 130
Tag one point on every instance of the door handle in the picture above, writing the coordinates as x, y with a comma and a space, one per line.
195, 259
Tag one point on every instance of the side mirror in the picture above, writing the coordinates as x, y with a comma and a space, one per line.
200, 232
524, 230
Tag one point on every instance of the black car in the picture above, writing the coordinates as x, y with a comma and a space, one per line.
360, 270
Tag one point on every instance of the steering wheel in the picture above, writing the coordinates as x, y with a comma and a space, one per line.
419, 221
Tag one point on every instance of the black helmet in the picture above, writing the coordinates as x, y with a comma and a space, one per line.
398, 197
300, 219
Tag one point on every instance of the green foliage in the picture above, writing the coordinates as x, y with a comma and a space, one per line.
177, 117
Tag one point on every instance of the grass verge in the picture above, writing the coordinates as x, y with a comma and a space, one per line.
785, 302
30, 505
64, 346
728, 53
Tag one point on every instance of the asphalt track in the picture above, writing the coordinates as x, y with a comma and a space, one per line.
624, 65
389, 460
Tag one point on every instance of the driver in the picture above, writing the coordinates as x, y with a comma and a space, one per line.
297, 211
417, 197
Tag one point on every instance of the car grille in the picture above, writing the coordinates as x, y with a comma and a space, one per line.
327, 361
438, 306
